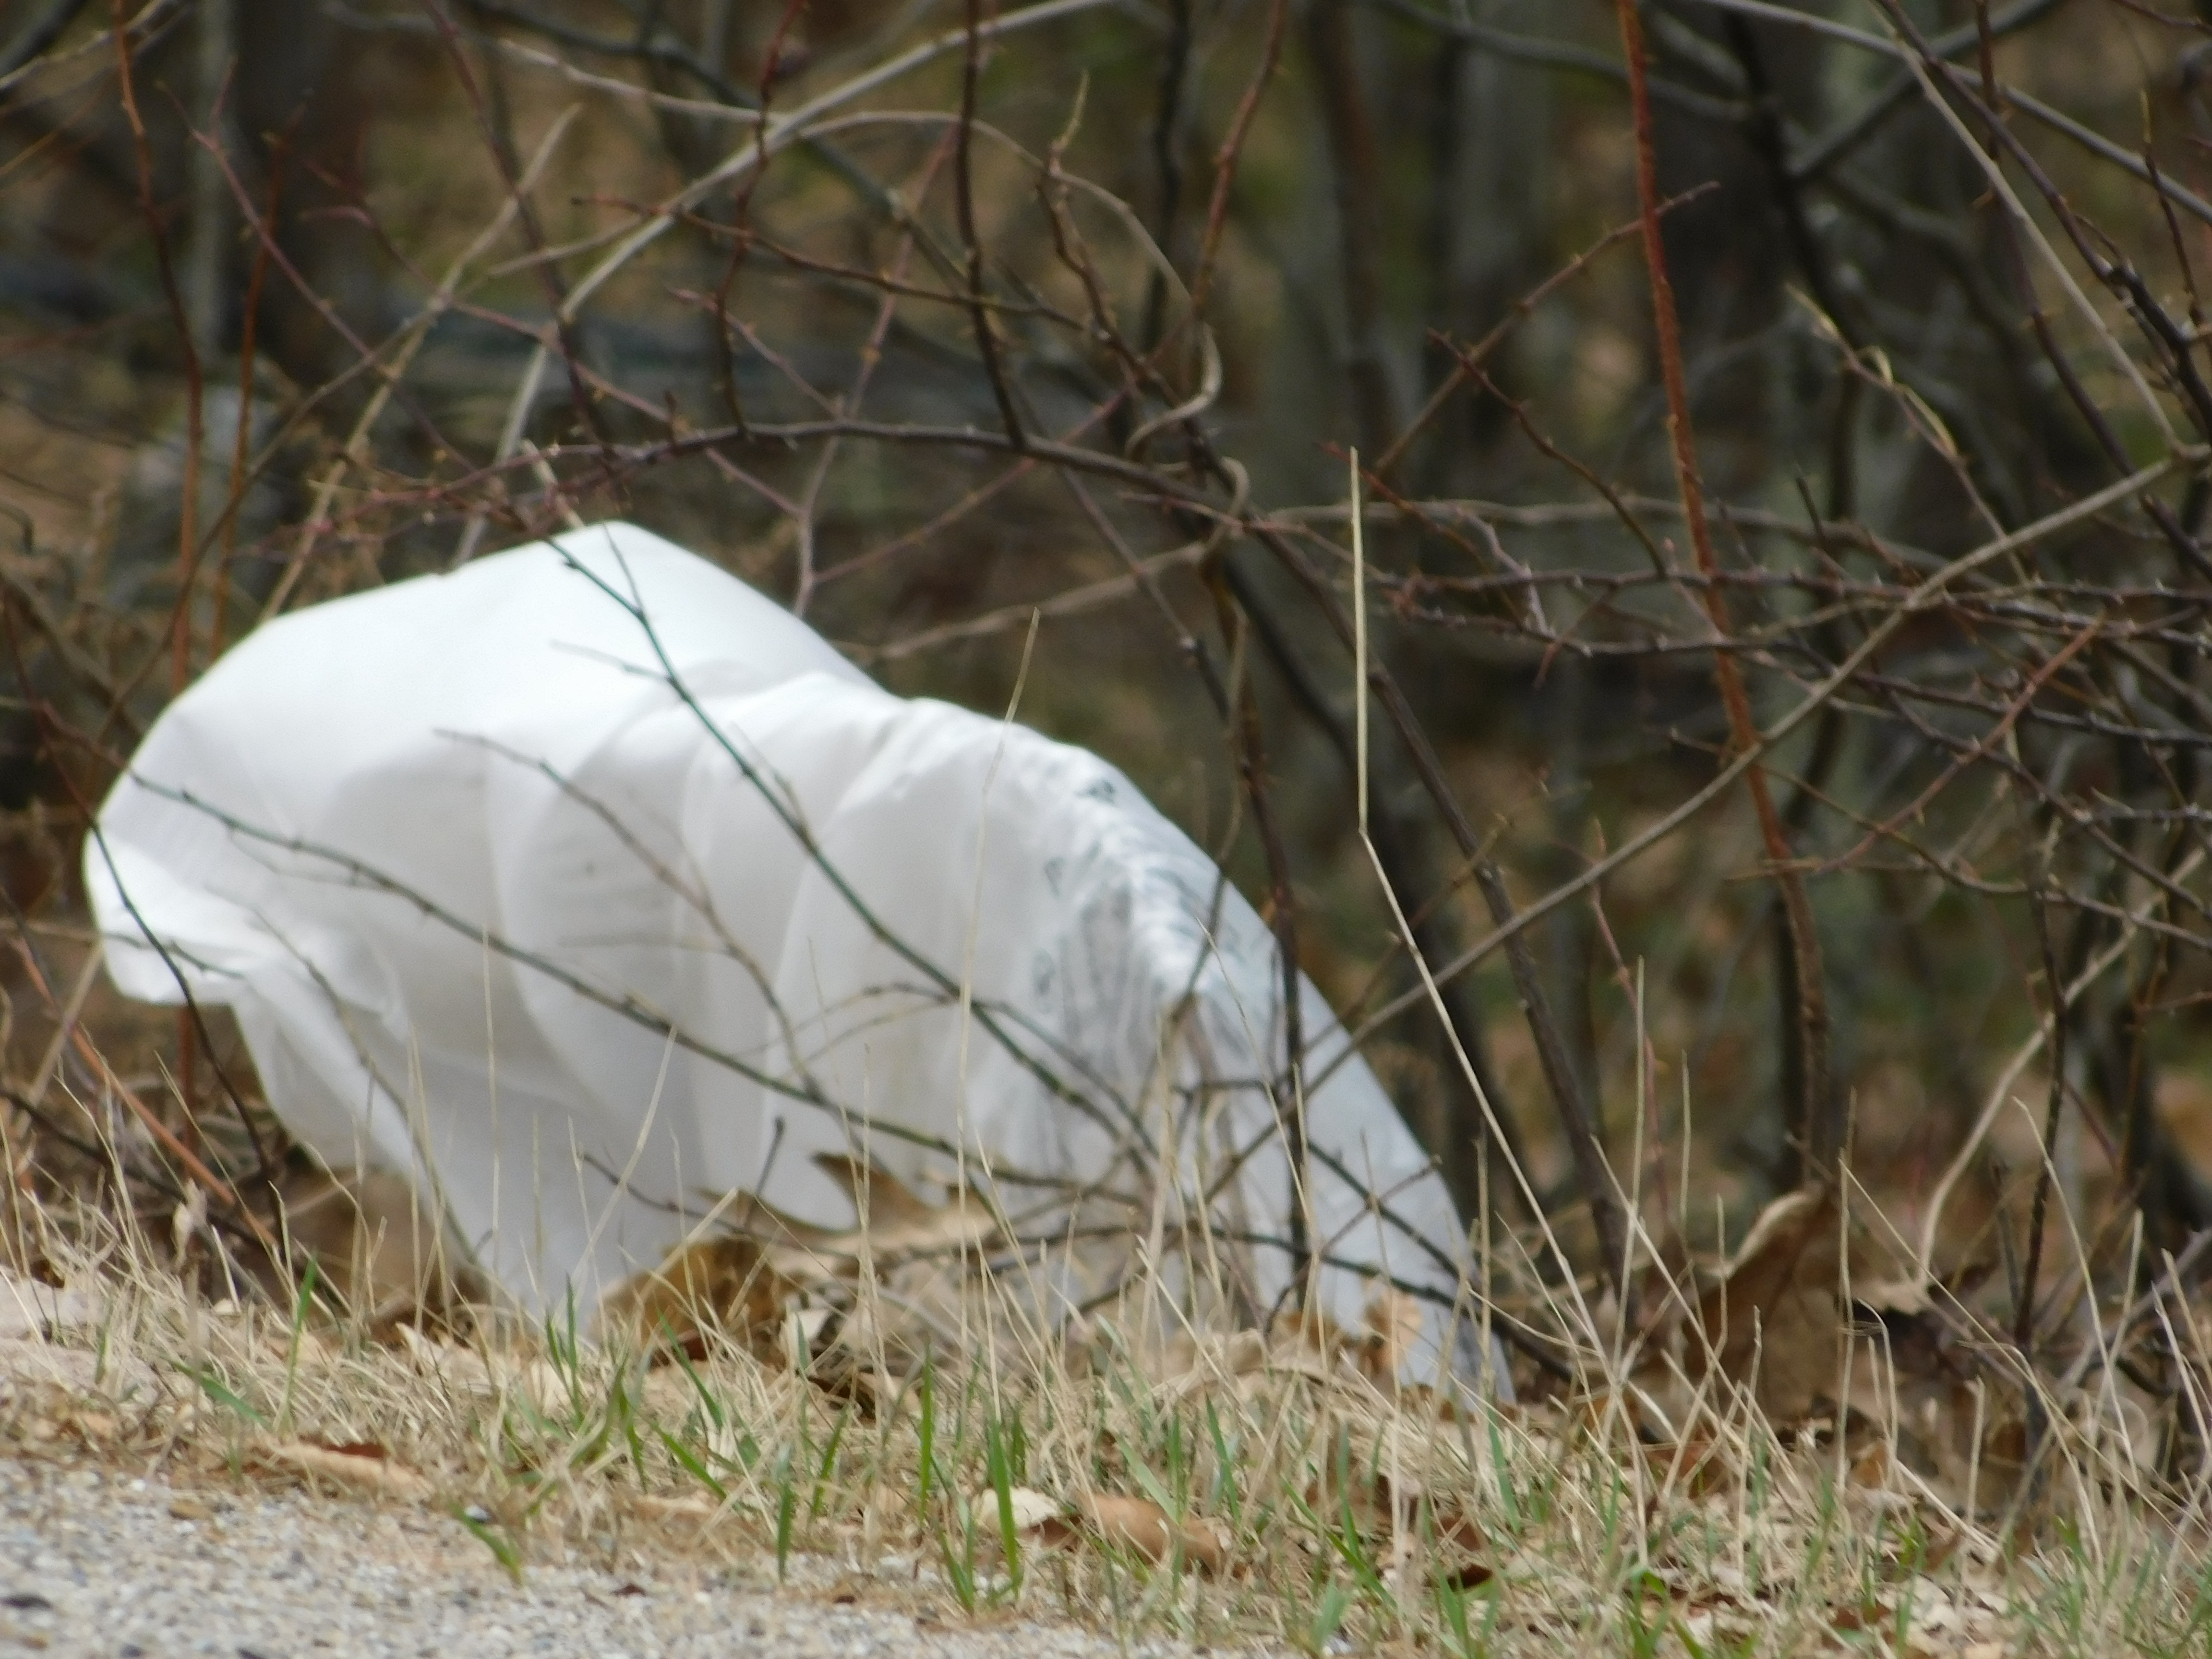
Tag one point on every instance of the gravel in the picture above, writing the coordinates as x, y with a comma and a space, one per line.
96, 1562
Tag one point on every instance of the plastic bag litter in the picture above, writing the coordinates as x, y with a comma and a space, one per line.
584, 885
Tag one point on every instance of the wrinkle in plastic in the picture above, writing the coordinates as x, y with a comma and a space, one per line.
584, 885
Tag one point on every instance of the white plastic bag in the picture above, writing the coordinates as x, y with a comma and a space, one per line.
584, 885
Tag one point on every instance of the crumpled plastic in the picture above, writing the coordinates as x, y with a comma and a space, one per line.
584, 885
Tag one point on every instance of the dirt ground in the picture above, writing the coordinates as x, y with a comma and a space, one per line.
101, 1562
98, 1559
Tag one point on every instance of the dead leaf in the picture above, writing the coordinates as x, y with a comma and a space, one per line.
895, 1221
1698, 1463
1041, 1521
723, 1284
1847, 1619
363, 1467
1779, 1319
781, 1287
1462, 1550
1907, 1296
1031, 1509
1468, 1574
1395, 1322
887, 1203
1871, 1467
379, 1250
1143, 1527
1310, 1328
1454, 1528
1775, 1319
1058, 1532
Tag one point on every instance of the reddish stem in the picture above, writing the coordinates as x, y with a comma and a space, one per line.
1815, 1134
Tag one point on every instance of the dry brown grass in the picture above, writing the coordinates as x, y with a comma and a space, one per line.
1219, 1488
